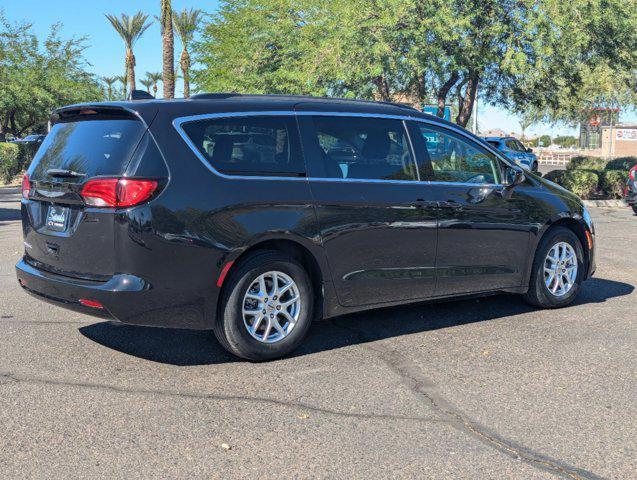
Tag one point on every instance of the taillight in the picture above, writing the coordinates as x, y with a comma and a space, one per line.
26, 186
632, 174
91, 303
117, 192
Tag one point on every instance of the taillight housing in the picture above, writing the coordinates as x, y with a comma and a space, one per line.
117, 192
632, 174
26, 186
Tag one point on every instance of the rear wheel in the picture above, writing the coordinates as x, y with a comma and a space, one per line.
557, 271
266, 308
634, 208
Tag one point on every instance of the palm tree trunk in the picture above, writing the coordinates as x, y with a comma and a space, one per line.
168, 49
185, 68
130, 64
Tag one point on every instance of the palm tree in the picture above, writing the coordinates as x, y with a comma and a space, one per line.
146, 82
168, 49
130, 29
154, 77
109, 81
123, 80
186, 23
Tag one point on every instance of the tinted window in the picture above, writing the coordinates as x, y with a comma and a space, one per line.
364, 148
494, 143
249, 145
454, 159
514, 145
91, 147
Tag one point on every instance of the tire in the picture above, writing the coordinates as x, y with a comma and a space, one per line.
534, 167
634, 208
539, 294
231, 328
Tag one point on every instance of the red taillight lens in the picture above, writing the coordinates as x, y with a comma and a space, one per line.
117, 192
91, 303
26, 186
632, 174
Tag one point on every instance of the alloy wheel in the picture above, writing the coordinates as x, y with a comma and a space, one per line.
271, 307
560, 269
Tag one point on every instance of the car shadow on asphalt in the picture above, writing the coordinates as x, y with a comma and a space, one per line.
191, 347
9, 214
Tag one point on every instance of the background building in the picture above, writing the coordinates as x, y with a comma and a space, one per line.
590, 133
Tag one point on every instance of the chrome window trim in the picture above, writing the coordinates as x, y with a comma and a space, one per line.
178, 122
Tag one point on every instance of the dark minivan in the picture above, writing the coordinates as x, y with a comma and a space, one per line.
254, 215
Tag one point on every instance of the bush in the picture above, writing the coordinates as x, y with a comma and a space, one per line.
586, 163
17, 161
612, 182
9, 161
583, 183
555, 176
622, 163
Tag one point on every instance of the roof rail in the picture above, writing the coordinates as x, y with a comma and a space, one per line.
213, 96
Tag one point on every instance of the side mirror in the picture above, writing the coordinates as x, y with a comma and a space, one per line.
529, 150
515, 177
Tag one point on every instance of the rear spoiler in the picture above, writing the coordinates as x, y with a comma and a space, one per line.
87, 112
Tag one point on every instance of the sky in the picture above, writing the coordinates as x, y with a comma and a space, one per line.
105, 50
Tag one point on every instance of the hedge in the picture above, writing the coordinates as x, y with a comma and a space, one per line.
612, 183
9, 161
597, 163
622, 163
586, 163
591, 183
15, 159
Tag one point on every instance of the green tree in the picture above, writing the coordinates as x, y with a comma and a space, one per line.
147, 83
37, 76
186, 23
168, 48
109, 82
154, 77
514, 53
130, 29
123, 80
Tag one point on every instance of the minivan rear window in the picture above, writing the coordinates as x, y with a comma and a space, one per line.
89, 147
266, 145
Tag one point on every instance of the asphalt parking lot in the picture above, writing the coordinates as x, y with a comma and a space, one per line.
487, 388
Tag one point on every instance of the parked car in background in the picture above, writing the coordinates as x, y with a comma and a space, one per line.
631, 189
253, 215
34, 139
513, 149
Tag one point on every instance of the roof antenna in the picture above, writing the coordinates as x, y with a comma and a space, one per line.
140, 95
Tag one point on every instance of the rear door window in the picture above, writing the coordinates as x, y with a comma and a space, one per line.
88, 147
362, 148
265, 145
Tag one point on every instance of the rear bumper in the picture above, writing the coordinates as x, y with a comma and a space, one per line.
126, 298
66, 291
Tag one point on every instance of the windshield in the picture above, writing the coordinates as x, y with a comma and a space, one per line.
88, 147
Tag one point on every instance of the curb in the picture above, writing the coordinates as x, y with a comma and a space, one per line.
605, 203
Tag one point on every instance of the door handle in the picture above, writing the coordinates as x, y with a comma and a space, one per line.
450, 206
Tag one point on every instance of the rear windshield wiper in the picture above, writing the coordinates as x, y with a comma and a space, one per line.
62, 173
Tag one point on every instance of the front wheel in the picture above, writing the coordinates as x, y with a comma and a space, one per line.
266, 307
634, 208
557, 271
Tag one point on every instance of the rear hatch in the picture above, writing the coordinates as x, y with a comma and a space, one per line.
64, 233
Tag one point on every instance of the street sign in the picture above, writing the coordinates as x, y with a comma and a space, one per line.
433, 110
